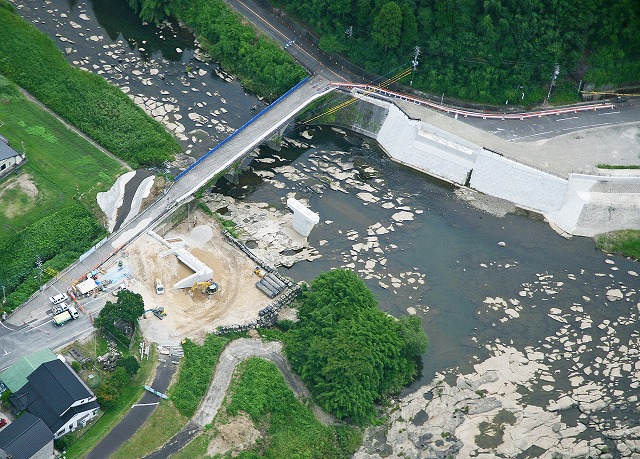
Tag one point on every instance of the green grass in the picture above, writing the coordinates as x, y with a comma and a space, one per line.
623, 242
196, 448
31, 59
196, 371
164, 423
292, 431
48, 207
614, 166
62, 166
96, 432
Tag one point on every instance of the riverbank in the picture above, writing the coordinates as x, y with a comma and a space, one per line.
536, 176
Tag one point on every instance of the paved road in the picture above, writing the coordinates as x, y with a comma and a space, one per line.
30, 328
138, 414
547, 127
233, 354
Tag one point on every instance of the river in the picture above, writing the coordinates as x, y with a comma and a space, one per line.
477, 281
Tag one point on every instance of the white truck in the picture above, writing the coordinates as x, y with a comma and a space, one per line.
65, 316
59, 308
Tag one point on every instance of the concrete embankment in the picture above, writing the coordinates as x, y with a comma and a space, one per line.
576, 204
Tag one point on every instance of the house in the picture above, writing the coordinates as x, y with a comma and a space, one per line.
14, 377
25, 438
9, 158
57, 395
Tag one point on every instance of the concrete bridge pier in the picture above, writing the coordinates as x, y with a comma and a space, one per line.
274, 142
303, 218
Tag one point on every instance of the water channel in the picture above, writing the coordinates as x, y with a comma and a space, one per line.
475, 279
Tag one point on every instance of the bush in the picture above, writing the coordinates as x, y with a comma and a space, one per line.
130, 364
292, 429
351, 354
32, 60
196, 371
77, 366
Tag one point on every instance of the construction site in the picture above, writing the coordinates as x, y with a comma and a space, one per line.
194, 279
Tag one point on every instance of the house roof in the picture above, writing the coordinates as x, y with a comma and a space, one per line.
7, 152
58, 385
15, 376
85, 407
25, 436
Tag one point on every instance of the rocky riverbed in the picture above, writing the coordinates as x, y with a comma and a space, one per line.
162, 68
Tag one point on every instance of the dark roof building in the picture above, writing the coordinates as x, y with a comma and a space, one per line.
25, 438
57, 395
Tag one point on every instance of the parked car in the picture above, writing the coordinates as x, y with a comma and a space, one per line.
3, 422
57, 299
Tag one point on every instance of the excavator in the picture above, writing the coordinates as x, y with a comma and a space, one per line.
207, 287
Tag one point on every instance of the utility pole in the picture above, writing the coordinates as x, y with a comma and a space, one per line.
39, 266
349, 32
556, 72
414, 62
4, 295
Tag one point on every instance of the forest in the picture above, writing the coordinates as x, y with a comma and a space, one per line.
491, 51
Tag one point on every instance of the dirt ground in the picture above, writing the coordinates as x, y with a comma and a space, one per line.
237, 302
236, 435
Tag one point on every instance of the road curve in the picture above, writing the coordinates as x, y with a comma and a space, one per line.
233, 354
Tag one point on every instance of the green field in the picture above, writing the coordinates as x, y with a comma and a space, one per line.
55, 191
31, 59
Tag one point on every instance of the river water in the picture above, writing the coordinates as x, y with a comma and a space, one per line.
475, 279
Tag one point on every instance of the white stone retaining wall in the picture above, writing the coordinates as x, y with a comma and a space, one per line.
597, 204
583, 205
426, 148
523, 185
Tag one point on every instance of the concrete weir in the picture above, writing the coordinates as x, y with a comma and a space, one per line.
578, 204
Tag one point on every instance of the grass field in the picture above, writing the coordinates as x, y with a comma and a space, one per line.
62, 167
624, 242
48, 207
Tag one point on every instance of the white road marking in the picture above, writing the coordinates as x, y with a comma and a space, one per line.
608, 113
570, 118
532, 135
144, 404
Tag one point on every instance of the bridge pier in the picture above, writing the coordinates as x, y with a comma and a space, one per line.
275, 141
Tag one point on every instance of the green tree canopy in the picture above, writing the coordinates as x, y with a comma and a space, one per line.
128, 308
387, 26
349, 352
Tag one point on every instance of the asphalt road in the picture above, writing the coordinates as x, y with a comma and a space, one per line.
547, 127
130, 189
233, 354
138, 414
30, 328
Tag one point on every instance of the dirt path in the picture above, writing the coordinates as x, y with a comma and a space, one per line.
234, 353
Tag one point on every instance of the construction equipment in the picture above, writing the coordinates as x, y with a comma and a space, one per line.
159, 287
207, 287
259, 271
158, 312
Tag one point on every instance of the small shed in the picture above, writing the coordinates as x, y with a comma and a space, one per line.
87, 286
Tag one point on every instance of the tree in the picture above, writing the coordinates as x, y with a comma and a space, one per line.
387, 26
130, 364
128, 308
409, 26
106, 395
349, 352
